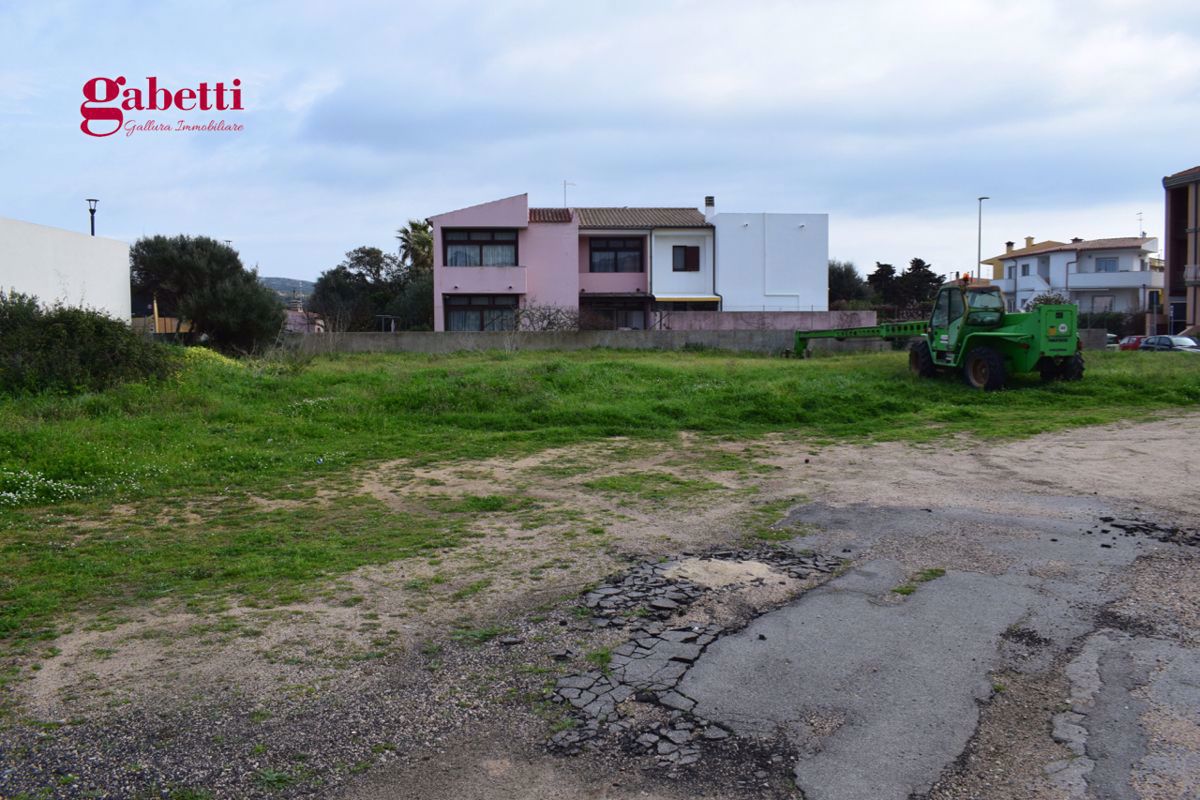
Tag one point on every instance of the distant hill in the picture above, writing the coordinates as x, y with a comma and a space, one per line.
288, 288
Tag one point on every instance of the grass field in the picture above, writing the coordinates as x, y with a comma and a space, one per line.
221, 430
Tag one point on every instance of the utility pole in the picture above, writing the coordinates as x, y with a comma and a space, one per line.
979, 241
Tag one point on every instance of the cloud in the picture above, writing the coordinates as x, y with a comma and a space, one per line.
893, 116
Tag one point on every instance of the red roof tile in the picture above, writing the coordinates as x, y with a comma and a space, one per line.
624, 217
549, 215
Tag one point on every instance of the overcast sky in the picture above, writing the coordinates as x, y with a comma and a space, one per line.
890, 116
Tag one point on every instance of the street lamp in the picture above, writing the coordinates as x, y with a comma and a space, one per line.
979, 241
91, 201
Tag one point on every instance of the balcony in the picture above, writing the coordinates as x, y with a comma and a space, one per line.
482, 280
1191, 275
1130, 279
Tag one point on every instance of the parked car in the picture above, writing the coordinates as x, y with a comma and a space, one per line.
1184, 344
1130, 342
1110, 341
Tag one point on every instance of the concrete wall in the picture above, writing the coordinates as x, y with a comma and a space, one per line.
665, 282
766, 342
1093, 338
762, 320
60, 266
550, 253
453, 342
772, 262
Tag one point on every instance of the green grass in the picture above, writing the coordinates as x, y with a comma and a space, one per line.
924, 576
202, 441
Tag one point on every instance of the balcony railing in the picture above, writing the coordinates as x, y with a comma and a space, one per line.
1191, 275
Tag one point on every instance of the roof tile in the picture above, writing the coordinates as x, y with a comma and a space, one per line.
549, 215
624, 217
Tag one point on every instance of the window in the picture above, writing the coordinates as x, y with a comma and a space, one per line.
1012, 273
941, 311
481, 312
956, 304
1106, 264
480, 248
616, 255
1024, 270
685, 258
618, 318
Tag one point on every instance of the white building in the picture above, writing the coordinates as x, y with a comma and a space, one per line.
1097, 275
61, 266
771, 262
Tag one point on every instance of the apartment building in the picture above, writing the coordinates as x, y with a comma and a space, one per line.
1098, 275
622, 267
1182, 254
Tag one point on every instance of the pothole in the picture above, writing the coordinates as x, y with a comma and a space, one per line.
633, 702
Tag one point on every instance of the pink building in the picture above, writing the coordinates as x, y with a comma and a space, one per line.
616, 266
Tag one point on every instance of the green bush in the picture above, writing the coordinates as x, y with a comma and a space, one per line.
70, 350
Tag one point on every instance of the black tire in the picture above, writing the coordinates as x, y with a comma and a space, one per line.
1072, 368
983, 369
920, 360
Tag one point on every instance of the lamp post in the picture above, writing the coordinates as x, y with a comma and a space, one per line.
91, 201
979, 241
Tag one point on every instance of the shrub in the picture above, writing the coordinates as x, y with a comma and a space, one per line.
70, 350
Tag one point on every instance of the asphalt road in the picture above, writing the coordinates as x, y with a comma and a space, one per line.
880, 691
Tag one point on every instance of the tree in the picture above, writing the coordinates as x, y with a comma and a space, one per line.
413, 307
172, 267
845, 284
416, 245
343, 299
1046, 299
203, 280
918, 284
883, 281
238, 312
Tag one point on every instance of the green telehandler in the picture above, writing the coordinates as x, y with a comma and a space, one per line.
970, 331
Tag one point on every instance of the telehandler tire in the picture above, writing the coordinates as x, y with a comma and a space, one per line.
983, 369
920, 360
1072, 368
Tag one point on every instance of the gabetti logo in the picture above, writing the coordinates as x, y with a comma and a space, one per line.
106, 100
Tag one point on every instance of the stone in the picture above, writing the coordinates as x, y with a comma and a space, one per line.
679, 737
666, 747
675, 700
714, 733
662, 604
509, 641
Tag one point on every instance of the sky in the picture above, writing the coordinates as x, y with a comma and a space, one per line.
892, 117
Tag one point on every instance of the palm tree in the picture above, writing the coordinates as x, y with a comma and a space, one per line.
416, 245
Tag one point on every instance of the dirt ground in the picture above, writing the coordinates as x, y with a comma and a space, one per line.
425, 677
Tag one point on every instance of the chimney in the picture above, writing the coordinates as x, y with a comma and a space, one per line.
1029, 241
1008, 246
710, 206
1076, 240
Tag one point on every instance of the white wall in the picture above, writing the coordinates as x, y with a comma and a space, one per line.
60, 266
772, 262
663, 279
